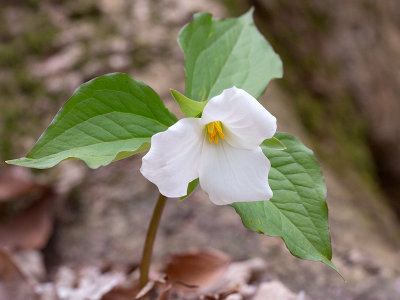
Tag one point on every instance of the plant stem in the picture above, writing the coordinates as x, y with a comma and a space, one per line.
151, 235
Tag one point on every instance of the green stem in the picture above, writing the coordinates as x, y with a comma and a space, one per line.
151, 235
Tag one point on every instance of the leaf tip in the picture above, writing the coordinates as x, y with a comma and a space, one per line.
13, 161
248, 16
173, 92
333, 266
250, 12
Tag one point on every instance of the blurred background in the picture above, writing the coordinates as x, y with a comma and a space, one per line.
339, 94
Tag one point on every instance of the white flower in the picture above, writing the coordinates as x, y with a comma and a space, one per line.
222, 149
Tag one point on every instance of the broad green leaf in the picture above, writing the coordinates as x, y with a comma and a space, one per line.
220, 54
273, 143
108, 118
189, 107
297, 212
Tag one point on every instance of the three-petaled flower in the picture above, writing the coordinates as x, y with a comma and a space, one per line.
222, 149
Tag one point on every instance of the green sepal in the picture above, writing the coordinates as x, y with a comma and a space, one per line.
191, 108
191, 187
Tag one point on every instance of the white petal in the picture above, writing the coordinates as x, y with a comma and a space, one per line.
172, 161
231, 174
246, 123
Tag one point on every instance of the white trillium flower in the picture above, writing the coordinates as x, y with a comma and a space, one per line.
222, 149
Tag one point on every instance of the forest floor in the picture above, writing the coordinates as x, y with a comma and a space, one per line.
93, 222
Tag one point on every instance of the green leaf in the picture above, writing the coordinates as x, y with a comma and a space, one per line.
273, 143
107, 119
220, 54
297, 212
189, 107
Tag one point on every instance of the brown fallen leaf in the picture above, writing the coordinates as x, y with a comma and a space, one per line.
126, 290
13, 284
165, 292
30, 228
146, 290
232, 282
18, 182
196, 269
120, 293
187, 272
130, 289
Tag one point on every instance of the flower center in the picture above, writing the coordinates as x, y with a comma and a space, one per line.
214, 129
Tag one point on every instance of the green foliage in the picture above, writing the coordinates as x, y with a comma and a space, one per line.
297, 212
220, 54
188, 106
107, 119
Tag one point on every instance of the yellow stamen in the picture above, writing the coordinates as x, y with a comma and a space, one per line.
214, 129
